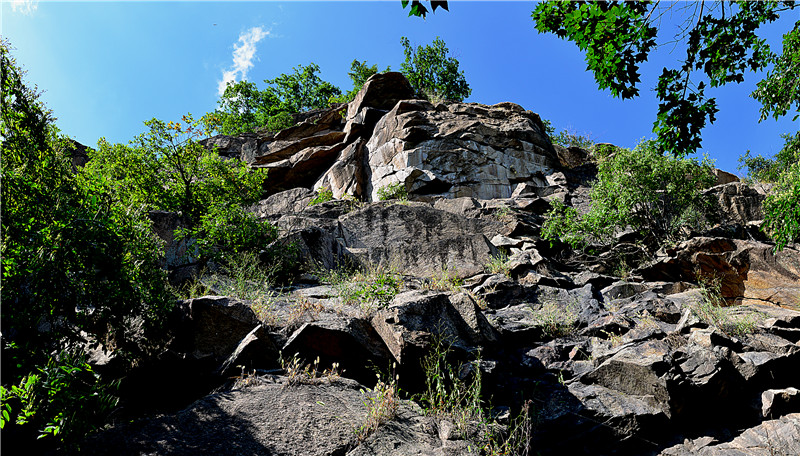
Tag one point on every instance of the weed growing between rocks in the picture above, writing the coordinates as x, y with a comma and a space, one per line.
453, 395
299, 372
498, 264
712, 310
370, 288
444, 280
244, 278
381, 403
517, 441
322, 195
556, 321
303, 310
451, 392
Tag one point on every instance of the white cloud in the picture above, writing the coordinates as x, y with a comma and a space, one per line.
244, 52
26, 7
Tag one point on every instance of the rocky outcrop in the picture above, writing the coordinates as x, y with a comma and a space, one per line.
612, 351
457, 150
747, 270
385, 137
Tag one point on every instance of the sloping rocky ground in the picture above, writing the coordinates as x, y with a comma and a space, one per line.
614, 353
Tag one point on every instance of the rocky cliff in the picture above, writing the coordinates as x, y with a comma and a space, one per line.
600, 358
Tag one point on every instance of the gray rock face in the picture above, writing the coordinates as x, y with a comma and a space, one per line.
268, 418
385, 137
774, 437
457, 150
612, 365
737, 202
748, 271
417, 238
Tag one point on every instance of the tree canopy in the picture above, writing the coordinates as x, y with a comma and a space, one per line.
245, 108
722, 44
432, 73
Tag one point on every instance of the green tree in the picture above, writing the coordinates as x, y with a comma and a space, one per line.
359, 73
764, 169
303, 90
167, 169
243, 108
77, 269
654, 194
722, 44
782, 206
432, 73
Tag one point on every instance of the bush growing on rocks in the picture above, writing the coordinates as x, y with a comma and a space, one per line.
654, 194
396, 191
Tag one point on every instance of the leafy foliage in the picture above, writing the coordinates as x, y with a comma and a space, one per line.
420, 10
770, 170
781, 88
65, 395
638, 188
617, 37
394, 191
359, 73
324, 194
167, 169
614, 35
303, 90
77, 268
782, 206
243, 108
432, 73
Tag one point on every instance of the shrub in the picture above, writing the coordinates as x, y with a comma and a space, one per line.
227, 230
324, 194
639, 188
396, 191
770, 170
167, 169
64, 399
76, 265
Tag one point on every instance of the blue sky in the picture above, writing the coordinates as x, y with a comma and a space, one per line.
105, 67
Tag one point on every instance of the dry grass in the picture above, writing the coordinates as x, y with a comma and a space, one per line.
381, 403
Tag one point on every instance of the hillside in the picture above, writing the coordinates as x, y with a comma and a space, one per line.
415, 232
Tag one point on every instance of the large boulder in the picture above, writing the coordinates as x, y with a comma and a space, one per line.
453, 150
774, 437
748, 271
268, 418
418, 239
414, 319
